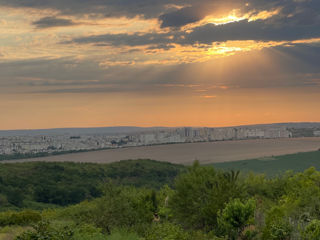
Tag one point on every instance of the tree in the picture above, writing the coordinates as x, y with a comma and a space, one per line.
236, 216
122, 207
200, 194
43, 230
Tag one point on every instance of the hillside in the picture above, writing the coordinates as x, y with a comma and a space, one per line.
203, 204
42, 185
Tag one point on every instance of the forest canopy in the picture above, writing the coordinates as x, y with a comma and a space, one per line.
168, 202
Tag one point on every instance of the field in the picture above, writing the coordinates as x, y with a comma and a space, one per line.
206, 153
272, 166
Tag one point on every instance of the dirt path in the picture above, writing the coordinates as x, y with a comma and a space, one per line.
210, 152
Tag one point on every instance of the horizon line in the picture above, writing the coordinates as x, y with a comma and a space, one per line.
132, 126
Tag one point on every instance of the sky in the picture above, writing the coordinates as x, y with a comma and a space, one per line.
93, 63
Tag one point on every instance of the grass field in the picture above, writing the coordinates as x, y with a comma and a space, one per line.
275, 165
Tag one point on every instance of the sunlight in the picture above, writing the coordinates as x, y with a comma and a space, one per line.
232, 17
225, 51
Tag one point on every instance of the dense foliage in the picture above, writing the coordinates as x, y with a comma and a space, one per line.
17, 156
41, 185
203, 203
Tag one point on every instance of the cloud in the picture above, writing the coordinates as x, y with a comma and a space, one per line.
49, 22
169, 14
260, 30
181, 17
277, 67
151, 41
294, 20
72, 75
198, 10
101, 8
124, 39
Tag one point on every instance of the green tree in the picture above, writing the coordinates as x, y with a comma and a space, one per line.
236, 216
43, 230
200, 194
122, 207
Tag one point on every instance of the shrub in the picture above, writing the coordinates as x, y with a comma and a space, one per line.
235, 217
280, 231
312, 231
43, 230
123, 235
88, 232
166, 231
277, 225
19, 218
125, 207
200, 194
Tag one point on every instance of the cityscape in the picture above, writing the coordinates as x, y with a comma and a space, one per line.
87, 141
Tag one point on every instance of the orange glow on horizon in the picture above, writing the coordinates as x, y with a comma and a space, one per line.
226, 109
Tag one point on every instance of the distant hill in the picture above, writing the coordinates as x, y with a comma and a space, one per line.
288, 125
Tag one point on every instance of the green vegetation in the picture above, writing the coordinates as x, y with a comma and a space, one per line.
148, 200
17, 156
272, 166
42, 185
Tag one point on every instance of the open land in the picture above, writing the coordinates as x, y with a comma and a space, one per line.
206, 152
272, 166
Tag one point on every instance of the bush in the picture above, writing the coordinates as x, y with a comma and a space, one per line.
123, 235
19, 218
277, 225
121, 207
166, 231
312, 231
280, 231
200, 194
235, 217
43, 230
88, 232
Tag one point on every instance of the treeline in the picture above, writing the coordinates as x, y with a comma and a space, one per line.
203, 204
43, 185
17, 156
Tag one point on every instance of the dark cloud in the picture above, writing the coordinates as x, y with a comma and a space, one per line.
300, 12
255, 30
101, 8
296, 20
198, 10
260, 30
49, 22
297, 12
161, 41
181, 17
